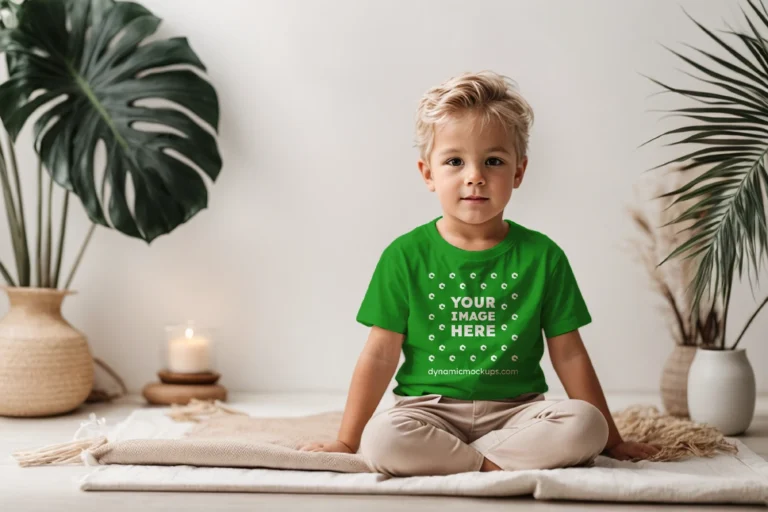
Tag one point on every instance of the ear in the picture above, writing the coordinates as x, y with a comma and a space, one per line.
426, 174
520, 172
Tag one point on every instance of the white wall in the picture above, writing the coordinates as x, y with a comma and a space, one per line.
319, 175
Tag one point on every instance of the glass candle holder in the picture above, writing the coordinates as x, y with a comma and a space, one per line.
189, 348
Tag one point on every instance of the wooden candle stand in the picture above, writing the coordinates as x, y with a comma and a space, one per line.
180, 388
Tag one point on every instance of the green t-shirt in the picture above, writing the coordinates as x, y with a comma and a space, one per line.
473, 320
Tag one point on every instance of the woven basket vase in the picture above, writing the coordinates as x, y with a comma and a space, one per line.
45, 364
674, 380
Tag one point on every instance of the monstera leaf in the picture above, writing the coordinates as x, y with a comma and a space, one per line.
84, 67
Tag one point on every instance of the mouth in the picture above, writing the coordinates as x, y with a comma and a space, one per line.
474, 199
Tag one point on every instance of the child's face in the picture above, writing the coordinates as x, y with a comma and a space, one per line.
472, 171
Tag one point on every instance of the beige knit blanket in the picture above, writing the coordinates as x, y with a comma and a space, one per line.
224, 437
243, 442
227, 438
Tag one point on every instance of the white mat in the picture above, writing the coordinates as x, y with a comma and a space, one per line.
722, 479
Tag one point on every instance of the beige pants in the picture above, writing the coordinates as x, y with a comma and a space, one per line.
437, 435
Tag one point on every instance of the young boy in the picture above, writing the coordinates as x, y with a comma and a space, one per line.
466, 298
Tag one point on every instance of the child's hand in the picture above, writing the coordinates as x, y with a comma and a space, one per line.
632, 450
335, 446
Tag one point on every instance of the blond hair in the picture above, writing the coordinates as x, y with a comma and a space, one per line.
487, 94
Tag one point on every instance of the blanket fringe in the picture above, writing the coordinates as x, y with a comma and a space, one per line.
90, 435
197, 410
63, 453
676, 437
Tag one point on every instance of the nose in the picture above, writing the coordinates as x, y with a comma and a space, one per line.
473, 176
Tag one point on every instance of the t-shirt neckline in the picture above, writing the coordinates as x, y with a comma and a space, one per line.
491, 252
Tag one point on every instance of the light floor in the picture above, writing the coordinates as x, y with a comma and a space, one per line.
55, 488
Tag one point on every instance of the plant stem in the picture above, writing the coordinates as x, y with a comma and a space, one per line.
80, 256
62, 230
725, 313
713, 312
6, 275
39, 248
673, 304
48, 235
10, 210
24, 263
749, 322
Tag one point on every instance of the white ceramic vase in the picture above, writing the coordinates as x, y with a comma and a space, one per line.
721, 390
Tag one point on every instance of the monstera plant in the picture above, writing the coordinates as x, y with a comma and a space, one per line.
84, 70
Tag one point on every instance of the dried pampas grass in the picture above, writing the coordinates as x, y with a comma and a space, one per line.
677, 438
655, 241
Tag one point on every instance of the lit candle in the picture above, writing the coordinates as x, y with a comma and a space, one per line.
190, 354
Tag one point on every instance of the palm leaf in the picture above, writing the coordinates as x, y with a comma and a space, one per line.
729, 134
85, 62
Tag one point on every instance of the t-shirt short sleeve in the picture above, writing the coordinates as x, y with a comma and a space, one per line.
385, 303
564, 309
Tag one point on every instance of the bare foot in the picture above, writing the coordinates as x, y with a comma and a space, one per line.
489, 466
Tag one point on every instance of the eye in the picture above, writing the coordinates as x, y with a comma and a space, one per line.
453, 160
494, 159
